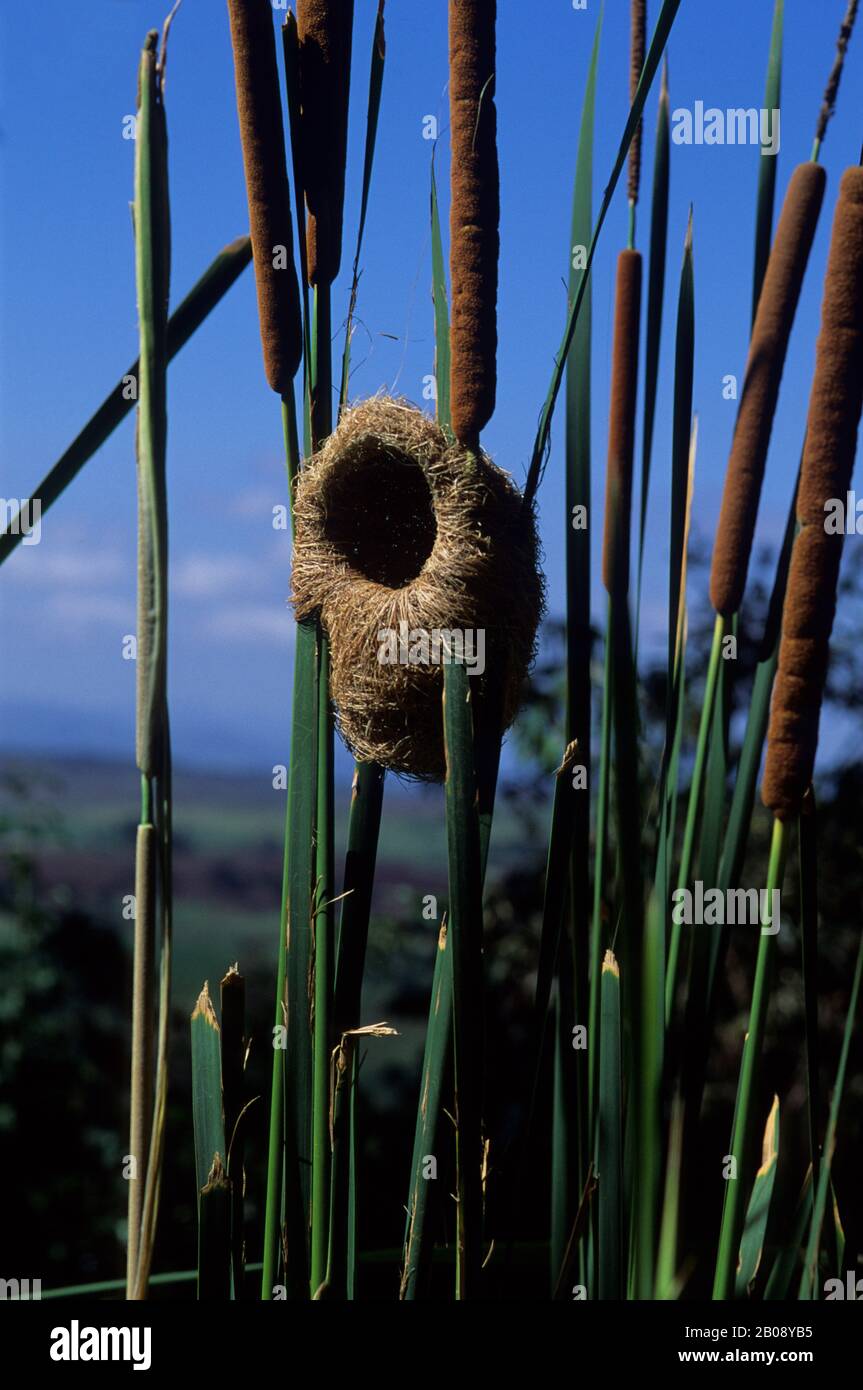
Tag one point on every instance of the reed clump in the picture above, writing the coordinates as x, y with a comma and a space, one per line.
828, 460
325, 29
474, 216
401, 534
768, 346
259, 109
621, 424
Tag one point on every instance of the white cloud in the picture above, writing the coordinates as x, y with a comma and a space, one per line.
257, 503
85, 610
253, 622
207, 576
49, 566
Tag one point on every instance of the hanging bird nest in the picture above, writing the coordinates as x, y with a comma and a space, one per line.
413, 551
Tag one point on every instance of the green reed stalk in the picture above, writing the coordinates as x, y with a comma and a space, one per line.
743, 1129
152, 277
417, 1246
465, 893
324, 918
610, 1147
214, 1236
664, 23
292, 1065
767, 164
599, 875
810, 1269
232, 992
653, 331
572, 1124
190, 313
694, 802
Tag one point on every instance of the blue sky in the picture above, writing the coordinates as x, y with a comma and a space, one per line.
69, 329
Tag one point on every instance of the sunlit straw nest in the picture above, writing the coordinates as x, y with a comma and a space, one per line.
399, 531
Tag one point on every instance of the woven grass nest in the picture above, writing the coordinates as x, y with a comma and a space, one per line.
400, 531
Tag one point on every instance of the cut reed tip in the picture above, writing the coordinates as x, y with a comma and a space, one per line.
204, 1008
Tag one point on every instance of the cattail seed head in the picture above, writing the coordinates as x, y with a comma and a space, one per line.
832, 89
768, 345
474, 215
828, 459
637, 32
832, 427
325, 29
621, 425
270, 225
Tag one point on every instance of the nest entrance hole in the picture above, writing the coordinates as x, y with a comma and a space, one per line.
379, 515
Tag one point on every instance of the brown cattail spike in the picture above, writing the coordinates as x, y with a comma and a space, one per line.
637, 33
621, 425
828, 460
325, 30
474, 215
768, 345
260, 111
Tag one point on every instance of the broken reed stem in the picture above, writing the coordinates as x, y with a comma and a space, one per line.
474, 216
828, 459
325, 31
828, 105
768, 345
259, 109
637, 33
621, 427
